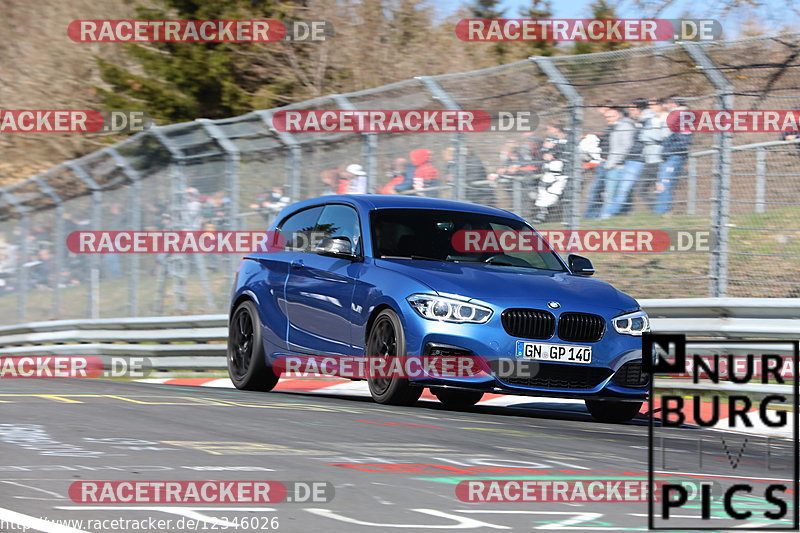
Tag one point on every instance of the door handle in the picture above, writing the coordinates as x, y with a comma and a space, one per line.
297, 263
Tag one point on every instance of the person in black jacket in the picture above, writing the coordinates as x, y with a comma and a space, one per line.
674, 150
633, 164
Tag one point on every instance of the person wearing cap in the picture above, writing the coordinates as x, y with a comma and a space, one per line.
357, 178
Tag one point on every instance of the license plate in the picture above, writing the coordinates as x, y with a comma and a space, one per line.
563, 353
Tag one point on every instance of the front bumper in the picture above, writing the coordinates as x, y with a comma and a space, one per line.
616, 362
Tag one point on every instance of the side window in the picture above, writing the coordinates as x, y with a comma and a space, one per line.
339, 221
298, 228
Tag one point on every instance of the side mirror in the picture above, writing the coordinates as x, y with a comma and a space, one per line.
341, 247
580, 265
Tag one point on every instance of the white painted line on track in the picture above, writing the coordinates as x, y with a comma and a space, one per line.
49, 492
221, 383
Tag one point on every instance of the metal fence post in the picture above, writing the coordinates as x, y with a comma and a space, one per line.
293, 161
691, 185
233, 156
516, 200
761, 179
575, 104
22, 256
136, 224
369, 147
94, 260
722, 171
459, 144
177, 201
60, 241
371, 160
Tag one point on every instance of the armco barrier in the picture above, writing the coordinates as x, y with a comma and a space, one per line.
199, 342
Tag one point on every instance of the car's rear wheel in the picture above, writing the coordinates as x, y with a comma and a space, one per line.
611, 411
386, 339
457, 399
247, 366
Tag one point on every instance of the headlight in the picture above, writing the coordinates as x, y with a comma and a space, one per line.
632, 323
448, 309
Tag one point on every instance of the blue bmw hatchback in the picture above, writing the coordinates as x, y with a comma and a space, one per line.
379, 275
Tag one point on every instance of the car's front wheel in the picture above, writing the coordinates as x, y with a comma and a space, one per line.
613, 412
457, 399
247, 367
386, 340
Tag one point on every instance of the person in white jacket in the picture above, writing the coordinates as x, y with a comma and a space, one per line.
552, 182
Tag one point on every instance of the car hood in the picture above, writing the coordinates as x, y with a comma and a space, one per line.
509, 286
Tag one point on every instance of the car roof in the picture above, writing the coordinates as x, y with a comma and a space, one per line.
394, 201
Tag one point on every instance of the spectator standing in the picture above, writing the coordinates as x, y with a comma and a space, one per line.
519, 160
653, 134
594, 197
634, 162
216, 208
42, 269
558, 139
269, 204
330, 181
356, 178
552, 182
75, 267
620, 140
674, 149
425, 174
193, 211
8, 265
590, 151
475, 173
398, 176
343, 180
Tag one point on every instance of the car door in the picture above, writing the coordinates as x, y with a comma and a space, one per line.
295, 231
319, 289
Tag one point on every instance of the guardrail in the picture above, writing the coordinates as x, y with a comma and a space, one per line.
199, 342
188, 343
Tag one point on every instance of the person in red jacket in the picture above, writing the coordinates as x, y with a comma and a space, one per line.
425, 175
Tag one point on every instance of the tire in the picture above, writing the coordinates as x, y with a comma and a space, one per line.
247, 366
386, 338
458, 399
613, 412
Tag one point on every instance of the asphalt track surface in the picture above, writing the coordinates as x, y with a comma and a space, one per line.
393, 468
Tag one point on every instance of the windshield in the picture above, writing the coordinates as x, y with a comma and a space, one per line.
427, 235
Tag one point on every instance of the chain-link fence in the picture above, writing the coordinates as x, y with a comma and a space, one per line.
238, 173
